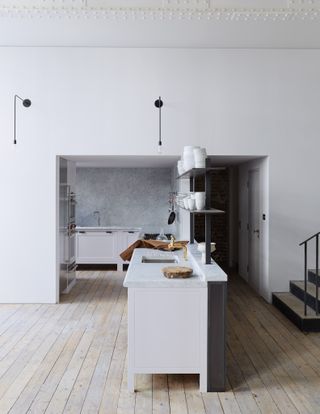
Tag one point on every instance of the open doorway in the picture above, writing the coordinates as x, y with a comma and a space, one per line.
240, 189
253, 224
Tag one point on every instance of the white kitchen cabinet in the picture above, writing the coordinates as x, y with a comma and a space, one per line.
167, 332
126, 238
96, 247
103, 246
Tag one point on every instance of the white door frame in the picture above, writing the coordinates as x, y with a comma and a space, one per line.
261, 164
253, 229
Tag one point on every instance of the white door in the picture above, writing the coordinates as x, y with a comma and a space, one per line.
254, 229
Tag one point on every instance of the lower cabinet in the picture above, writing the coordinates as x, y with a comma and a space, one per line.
125, 239
167, 332
103, 247
96, 247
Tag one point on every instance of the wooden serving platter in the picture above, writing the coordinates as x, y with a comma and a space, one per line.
177, 272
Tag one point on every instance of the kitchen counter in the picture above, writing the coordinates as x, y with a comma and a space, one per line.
150, 275
108, 228
176, 325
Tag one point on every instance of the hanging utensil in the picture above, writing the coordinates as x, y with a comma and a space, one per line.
172, 215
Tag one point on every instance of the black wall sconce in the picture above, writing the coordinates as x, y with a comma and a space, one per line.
26, 103
159, 104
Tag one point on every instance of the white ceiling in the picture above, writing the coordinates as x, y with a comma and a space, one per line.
161, 23
157, 161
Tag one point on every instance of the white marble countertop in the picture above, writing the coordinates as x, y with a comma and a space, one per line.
146, 275
212, 272
108, 228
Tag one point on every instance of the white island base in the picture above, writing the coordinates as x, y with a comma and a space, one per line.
176, 326
167, 332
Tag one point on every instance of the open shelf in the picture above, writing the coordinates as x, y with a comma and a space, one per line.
208, 211
196, 172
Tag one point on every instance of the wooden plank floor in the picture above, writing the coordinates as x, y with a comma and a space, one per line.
71, 358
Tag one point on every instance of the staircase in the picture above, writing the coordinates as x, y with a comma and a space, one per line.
302, 304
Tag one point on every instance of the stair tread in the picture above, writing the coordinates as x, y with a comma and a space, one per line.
311, 287
296, 305
314, 271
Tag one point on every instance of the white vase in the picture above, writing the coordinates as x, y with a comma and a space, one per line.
188, 157
180, 167
200, 155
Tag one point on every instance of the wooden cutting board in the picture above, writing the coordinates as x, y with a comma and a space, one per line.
177, 272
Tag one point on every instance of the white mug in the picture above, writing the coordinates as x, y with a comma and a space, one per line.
191, 203
200, 198
185, 203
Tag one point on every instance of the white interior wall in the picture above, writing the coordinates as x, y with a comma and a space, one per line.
100, 102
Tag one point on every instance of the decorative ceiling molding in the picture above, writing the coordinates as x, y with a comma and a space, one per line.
215, 10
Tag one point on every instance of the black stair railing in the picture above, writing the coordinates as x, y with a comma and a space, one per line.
306, 245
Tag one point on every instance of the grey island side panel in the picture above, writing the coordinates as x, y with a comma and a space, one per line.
217, 321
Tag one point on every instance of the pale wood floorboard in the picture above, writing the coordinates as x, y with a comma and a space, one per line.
71, 358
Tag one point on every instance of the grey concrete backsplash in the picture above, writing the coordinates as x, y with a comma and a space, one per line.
136, 197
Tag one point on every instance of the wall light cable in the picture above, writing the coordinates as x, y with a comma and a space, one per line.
26, 103
159, 104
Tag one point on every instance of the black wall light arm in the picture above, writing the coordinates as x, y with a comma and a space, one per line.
159, 104
26, 103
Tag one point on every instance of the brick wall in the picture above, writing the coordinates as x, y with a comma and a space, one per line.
219, 228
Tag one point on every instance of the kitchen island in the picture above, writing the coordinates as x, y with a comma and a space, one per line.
176, 325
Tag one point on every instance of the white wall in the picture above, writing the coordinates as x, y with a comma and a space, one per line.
100, 102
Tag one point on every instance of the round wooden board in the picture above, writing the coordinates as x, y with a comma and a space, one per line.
177, 272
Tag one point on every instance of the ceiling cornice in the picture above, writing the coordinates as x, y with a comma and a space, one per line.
161, 23
207, 10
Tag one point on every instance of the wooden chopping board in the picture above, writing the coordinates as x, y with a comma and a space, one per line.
177, 272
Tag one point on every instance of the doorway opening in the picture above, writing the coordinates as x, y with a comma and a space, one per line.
141, 185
